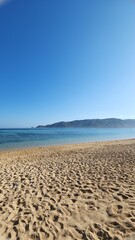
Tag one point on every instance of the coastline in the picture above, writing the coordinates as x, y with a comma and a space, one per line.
29, 138
74, 191
80, 144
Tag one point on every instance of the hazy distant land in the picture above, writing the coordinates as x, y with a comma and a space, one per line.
94, 123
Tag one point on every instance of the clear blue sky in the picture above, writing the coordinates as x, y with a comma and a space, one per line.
66, 60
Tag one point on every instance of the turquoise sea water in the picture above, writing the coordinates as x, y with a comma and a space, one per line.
22, 138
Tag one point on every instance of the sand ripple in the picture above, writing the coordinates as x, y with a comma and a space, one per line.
72, 192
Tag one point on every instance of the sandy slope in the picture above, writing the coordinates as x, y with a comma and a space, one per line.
84, 191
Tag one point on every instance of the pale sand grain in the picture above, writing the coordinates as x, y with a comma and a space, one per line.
83, 191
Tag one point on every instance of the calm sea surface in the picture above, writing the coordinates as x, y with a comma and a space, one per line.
22, 138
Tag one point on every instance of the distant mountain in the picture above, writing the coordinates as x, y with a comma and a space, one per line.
94, 123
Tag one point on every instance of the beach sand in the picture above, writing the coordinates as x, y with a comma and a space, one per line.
83, 191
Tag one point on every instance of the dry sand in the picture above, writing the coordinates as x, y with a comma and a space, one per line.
84, 191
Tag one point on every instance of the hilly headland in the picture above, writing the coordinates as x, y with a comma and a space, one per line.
93, 123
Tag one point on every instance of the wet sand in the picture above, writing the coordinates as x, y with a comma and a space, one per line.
83, 191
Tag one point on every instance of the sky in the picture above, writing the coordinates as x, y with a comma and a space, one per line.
65, 60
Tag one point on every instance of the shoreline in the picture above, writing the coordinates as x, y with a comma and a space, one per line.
69, 192
67, 144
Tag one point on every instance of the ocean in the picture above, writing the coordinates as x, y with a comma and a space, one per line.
34, 137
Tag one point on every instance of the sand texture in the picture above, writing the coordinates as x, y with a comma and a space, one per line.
84, 191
